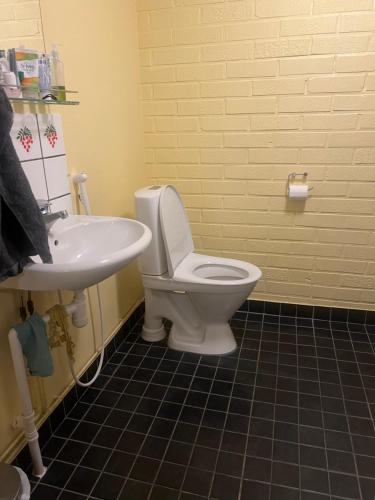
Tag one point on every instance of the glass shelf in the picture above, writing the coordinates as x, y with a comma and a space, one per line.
39, 100
43, 101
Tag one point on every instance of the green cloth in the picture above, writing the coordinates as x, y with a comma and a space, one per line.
32, 335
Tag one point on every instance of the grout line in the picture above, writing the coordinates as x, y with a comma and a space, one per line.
199, 426
274, 412
348, 426
239, 348
323, 419
250, 413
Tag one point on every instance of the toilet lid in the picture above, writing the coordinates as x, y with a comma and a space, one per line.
175, 228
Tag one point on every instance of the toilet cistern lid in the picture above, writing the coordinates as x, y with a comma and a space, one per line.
175, 228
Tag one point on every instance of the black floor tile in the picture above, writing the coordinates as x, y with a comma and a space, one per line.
314, 480
120, 463
135, 489
72, 452
144, 469
287, 416
154, 447
197, 481
344, 485
95, 457
255, 491
53, 447
285, 452
285, 474
258, 469
82, 480
229, 463
283, 493
204, 458
225, 487
163, 493
107, 436
130, 442
42, 492
70, 495
58, 474
170, 475
341, 462
108, 486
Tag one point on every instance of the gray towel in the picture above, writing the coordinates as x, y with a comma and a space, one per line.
32, 335
22, 230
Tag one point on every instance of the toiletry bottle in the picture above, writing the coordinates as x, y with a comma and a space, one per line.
27, 69
4, 64
13, 65
7, 78
57, 75
44, 65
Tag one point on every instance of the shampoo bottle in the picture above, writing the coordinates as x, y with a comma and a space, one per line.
57, 75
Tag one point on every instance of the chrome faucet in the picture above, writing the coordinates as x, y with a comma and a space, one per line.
50, 217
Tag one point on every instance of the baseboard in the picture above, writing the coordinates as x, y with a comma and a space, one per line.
309, 312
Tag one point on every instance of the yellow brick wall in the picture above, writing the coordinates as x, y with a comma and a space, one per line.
237, 94
20, 23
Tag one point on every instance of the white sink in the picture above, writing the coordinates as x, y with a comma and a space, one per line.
85, 250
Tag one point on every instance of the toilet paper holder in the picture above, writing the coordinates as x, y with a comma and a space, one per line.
292, 176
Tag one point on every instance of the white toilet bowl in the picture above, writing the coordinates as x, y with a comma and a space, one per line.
198, 293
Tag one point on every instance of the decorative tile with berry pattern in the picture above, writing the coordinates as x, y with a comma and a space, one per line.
51, 135
25, 137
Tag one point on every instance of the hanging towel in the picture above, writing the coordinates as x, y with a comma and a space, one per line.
22, 229
32, 335
58, 329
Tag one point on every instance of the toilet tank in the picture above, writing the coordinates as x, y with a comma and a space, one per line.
153, 261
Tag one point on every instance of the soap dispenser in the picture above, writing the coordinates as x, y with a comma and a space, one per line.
57, 75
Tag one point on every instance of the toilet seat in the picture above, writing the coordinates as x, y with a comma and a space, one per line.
197, 272
216, 273
175, 228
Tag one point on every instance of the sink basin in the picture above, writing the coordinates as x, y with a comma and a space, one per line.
85, 250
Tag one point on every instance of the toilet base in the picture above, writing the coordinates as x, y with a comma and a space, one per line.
153, 334
217, 340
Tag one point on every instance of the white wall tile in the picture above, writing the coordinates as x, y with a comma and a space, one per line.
35, 174
25, 136
51, 135
57, 176
63, 203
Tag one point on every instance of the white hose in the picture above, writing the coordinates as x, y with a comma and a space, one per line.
80, 179
101, 359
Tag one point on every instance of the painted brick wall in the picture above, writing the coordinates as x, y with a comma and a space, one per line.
20, 24
237, 94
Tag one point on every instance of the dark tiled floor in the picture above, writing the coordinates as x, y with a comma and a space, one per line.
289, 416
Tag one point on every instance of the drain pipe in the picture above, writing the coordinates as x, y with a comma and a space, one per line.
77, 309
28, 415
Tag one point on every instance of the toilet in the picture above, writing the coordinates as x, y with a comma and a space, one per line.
197, 293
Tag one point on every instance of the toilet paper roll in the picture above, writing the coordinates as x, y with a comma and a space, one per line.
298, 191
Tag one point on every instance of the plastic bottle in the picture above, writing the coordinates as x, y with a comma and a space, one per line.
44, 64
57, 75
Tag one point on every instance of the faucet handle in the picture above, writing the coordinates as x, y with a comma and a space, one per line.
44, 206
